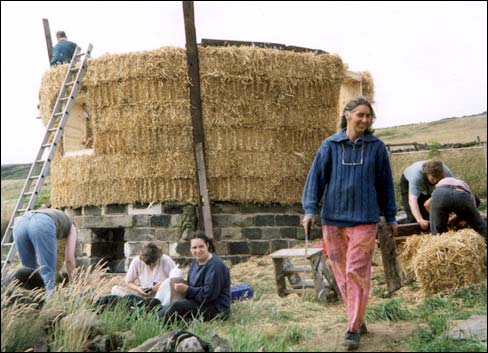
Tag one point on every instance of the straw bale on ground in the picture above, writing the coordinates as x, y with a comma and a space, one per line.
445, 262
265, 114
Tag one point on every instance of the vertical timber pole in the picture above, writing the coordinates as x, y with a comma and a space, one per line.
49, 42
196, 117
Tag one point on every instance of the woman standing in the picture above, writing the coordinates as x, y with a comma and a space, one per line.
353, 169
208, 290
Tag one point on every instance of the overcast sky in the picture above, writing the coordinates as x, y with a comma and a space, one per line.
428, 59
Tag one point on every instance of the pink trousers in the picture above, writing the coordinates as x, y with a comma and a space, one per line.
350, 252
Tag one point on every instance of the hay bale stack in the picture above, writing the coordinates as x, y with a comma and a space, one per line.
446, 262
265, 114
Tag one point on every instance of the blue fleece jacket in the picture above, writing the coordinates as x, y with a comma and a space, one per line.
209, 284
63, 52
354, 194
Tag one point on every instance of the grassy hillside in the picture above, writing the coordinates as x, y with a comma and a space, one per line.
450, 130
14, 171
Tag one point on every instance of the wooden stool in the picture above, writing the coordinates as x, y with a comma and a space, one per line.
322, 281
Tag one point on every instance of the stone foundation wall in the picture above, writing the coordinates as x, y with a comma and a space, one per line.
116, 232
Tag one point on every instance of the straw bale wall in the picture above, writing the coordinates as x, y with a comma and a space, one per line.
265, 114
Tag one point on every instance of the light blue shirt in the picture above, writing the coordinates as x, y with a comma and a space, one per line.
417, 181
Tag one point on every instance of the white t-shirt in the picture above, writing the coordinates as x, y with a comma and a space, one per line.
139, 270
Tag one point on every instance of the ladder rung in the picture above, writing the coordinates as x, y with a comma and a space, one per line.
70, 83
75, 68
65, 99
307, 283
23, 210
58, 114
28, 193
34, 177
80, 54
7, 244
52, 129
46, 145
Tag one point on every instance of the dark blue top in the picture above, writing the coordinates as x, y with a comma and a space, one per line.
354, 194
209, 284
63, 52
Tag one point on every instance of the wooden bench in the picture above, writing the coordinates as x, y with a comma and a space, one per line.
322, 281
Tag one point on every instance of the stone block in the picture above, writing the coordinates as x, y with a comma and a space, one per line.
85, 262
235, 259
278, 244
240, 220
85, 235
221, 220
115, 209
287, 220
145, 209
232, 233
288, 232
239, 248
265, 220
183, 248
225, 207
176, 220
252, 233
160, 221
173, 208
132, 248
167, 234
259, 247
268, 233
125, 221
172, 250
139, 234
221, 247
92, 211
142, 220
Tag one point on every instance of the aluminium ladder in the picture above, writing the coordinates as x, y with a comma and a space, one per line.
52, 136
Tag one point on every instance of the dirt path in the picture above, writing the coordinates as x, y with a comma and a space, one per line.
382, 337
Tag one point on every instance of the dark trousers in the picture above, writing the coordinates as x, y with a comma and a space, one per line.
422, 198
188, 309
446, 200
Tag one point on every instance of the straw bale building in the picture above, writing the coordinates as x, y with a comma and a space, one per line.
126, 168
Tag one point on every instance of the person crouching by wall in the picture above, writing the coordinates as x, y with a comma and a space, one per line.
208, 290
146, 272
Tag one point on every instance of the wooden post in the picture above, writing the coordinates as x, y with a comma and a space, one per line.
196, 117
391, 264
49, 42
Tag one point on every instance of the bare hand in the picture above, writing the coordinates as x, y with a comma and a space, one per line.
155, 288
424, 225
307, 223
181, 287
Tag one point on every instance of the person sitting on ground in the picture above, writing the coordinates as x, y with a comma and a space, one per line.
64, 50
208, 290
146, 272
40, 236
452, 195
416, 188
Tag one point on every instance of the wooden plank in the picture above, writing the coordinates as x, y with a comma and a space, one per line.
279, 276
49, 42
408, 229
391, 264
296, 253
196, 117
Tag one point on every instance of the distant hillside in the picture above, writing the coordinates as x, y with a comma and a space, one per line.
15, 171
450, 130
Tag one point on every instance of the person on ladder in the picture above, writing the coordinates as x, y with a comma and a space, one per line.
39, 236
63, 51
354, 167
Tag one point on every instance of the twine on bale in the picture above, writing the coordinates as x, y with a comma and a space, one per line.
447, 261
265, 113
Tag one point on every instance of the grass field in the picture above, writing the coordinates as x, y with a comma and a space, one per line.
451, 130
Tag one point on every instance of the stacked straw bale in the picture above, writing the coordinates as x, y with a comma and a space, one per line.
445, 262
265, 114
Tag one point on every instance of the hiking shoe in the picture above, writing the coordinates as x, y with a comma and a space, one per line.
351, 340
363, 329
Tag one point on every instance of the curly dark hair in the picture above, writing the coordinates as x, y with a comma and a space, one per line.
353, 104
150, 253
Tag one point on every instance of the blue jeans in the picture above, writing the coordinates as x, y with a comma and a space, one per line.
446, 200
35, 237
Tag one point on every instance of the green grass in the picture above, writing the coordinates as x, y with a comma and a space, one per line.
14, 171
